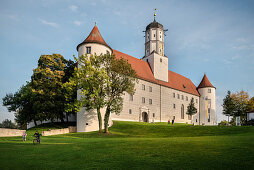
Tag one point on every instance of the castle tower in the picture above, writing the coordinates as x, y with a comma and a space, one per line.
154, 50
93, 44
207, 102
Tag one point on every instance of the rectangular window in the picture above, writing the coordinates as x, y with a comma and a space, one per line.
153, 114
150, 101
209, 90
196, 100
186, 98
130, 111
153, 35
161, 60
88, 50
182, 97
174, 106
143, 87
150, 89
143, 100
130, 97
174, 95
178, 96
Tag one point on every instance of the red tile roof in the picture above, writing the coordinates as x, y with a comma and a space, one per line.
94, 37
143, 70
205, 83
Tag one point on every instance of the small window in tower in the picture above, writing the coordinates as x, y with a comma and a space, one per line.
153, 114
160, 32
88, 50
209, 90
160, 36
130, 111
153, 35
160, 59
174, 106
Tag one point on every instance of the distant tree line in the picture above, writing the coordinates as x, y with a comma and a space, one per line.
237, 104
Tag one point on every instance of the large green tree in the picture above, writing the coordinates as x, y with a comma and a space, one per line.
22, 104
122, 78
228, 105
91, 79
241, 100
47, 85
191, 109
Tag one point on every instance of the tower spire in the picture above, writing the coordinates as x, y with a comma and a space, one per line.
154, 15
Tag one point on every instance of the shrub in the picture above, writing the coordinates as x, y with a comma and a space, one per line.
223, 123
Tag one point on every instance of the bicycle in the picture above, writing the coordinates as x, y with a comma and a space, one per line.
36, 141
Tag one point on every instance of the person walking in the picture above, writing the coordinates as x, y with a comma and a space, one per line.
173, 120
24, 136
168, 121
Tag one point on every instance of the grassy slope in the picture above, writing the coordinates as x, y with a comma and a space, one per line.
133, 145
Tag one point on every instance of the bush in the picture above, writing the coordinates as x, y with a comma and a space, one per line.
250, 122
7, 124
223, 123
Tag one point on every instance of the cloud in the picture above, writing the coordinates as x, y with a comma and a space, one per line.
78, 23
73, 8
52, 24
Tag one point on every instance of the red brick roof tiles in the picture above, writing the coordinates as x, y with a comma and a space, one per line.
143, 70
205, 83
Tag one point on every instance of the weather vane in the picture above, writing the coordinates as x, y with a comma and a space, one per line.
154, 13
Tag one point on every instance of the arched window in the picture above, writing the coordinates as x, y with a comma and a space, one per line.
182, 112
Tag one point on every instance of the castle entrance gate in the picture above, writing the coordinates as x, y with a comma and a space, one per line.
145, 117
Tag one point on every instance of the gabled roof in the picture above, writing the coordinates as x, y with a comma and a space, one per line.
144, 72
94, 37
205, 83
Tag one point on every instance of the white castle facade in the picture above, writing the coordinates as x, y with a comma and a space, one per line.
161, 94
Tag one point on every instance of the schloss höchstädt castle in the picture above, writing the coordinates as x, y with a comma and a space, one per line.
160, 93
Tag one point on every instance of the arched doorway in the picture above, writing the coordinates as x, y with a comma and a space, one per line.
144, 117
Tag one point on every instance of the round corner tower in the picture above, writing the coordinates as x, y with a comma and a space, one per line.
94, 44
207, 102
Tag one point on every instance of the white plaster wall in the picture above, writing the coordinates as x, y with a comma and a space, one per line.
250, 116
203, 105
160, 68
95, 49
162, 104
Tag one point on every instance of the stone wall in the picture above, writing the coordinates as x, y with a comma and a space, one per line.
70, 129
4, 132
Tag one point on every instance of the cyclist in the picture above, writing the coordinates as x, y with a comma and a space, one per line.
37, 136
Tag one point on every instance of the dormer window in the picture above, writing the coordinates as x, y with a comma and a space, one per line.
88, 50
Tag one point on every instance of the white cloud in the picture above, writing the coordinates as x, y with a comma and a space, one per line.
74, 8
52, 24
78, 23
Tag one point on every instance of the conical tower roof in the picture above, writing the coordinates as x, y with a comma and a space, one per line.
94, 37
205, 83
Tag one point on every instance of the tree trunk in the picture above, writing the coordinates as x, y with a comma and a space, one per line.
35, 123
106, 118
67, 118
99, 119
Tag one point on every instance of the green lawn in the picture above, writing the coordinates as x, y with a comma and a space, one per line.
134, 145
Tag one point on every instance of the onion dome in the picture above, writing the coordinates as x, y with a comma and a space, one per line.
94, 37
205, 83
154, 24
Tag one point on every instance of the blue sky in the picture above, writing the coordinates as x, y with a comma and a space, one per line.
215, 37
